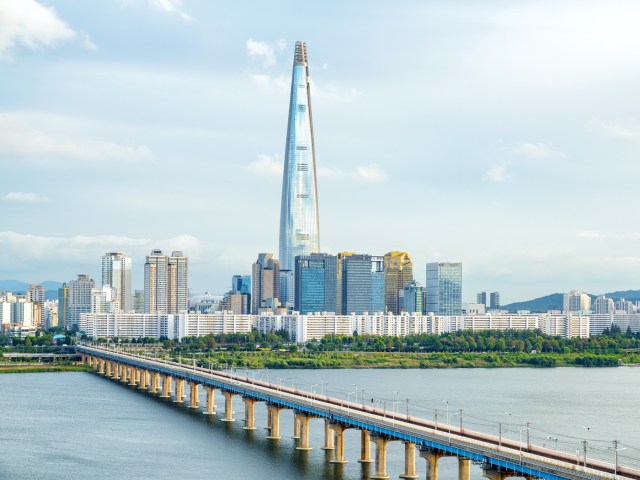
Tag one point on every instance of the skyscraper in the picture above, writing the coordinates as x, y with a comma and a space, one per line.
356, 284
299, 224
315, 283
116, 273
481, 298
166, 283
494, 300
444, 288
398, 273
377, 284
414, 297
78, 299
265, 277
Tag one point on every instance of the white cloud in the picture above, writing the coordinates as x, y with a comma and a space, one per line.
616, 130
23, 197
30, 24
269, 165
19, 138
536, 150
171, 6
264, 51
496, 173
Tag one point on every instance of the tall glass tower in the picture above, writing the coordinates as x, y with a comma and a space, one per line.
299, 224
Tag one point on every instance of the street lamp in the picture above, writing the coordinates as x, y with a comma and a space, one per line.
446, 402
615, 456
509, 423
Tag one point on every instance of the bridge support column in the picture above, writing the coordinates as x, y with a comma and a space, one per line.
123, 377
338, 456
193, 395
179, 390
138, 374
303, 424
296, 427
166, 386
108, 372
492, 474
155, 382
328, 436
249, 413
101, 367
144, 375
116, 371
464, 468
381, 457
273, 412
228, 407
211, 407
134, 374
365, 447
432, 458
410, 461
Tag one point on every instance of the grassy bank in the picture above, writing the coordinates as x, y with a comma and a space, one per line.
44, 367
285, 359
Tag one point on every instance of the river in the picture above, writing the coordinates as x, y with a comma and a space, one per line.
83, 426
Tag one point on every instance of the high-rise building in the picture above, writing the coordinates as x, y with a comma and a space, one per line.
377, 284
299, 223
265, 277
166, 283
36, 295
63, 306
315, 283
444, 288
356, 284
287, 288
78, 299
414, 298
105, 300
603, 304
481, 298
398, 273
138, 301
576, 301
241, 284
116, 273
494, 300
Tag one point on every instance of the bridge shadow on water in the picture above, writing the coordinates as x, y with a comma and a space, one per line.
313, 464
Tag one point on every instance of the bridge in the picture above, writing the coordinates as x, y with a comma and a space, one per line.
499, 458
41, 356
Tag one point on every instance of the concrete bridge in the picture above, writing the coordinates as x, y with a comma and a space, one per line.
499, 458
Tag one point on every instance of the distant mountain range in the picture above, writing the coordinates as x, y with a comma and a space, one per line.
554, 301
16, 286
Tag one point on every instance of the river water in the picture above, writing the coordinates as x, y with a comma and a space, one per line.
83, 426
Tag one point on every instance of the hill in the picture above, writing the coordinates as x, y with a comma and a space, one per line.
16, 286
555, 300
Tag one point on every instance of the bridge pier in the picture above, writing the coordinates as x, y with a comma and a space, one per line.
273, 411
432, 457
132, 379
228, 407
210, 405
303, 423
125, 371
338, 456
179, 390
101, 367
464, 468
365, 447
249, 413
296, 427
193, 395
155, 382
108, 372
495, 474
410, 461
144, 375
116, 371
166, 386
137, 375
381, 457
328, 436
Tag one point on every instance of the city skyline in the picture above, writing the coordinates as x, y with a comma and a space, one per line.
455, 137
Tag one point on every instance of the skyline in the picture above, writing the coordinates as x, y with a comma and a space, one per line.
437, 138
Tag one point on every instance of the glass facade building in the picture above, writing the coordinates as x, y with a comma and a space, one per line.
299, 224
377, 284
315, 283
356, 284
444, 288
398, 273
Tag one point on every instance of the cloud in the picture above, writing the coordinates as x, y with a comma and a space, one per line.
496, 173
264, 51
536, 150
23, 197
19, 138
616, 130
31, 25
171, 6
268, 165
333, 93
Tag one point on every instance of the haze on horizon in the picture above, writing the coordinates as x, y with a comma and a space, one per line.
502, 135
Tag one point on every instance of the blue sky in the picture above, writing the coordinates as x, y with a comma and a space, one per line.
501, 134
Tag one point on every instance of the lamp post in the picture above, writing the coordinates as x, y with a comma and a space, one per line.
509, 423
585, 444
446, 402
615, 457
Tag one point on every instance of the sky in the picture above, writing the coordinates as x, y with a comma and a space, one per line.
504, 135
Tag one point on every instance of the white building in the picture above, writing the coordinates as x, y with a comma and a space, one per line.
116, 273
576, 301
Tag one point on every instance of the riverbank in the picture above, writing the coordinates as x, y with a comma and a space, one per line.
43, 367
316, 360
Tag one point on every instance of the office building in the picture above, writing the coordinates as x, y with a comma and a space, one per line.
377, 284
315, 283
494, 301
116, 273
356, 284
398, 273
78, 299
299, 222
481, 298
265, 278
287, 288
413, 298
444, 288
